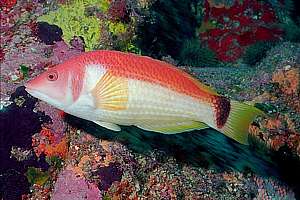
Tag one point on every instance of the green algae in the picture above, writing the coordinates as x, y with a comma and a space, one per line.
36, 176
72, 19
79, 19
116, 28
24, 70
55, 161
106, 197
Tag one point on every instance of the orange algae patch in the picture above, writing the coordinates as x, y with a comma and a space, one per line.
266, 96
288, 80
281, 130
123, 190
289, 84
273, 124
277, 142
106, 145
78, 170
60, 149
230, 178
277, 132
45, 143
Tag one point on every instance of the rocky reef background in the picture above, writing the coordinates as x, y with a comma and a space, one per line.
247, 50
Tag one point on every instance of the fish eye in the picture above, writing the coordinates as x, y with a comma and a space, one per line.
52, 76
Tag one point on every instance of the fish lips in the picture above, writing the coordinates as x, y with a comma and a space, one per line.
44, 97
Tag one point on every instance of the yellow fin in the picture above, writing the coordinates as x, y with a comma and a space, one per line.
111, 92
173, 127
240, 117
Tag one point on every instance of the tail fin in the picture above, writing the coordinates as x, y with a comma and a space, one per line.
240, 117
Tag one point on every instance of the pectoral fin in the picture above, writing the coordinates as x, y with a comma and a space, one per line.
108, 125
173, 127
111, 92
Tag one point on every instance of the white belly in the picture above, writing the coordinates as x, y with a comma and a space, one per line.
146, 102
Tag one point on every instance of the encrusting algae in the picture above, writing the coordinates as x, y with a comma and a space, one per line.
72, 19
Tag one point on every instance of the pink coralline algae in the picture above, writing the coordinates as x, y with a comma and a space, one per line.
228, 30
62, 52
57, 125
70, 187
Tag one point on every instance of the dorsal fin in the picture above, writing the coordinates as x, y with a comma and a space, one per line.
203, 87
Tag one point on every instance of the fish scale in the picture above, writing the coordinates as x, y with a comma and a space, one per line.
152, 102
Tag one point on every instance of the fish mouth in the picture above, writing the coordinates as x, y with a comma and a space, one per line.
28, 89
34, 93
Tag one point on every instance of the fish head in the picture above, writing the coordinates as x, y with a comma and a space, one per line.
52, 86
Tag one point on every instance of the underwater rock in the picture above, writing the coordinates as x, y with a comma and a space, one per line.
269, 189
69, 187
13, 185
76, 159
20, 46
62, 52
283, 128
1, 55
18, 123
48, 33
78, 43
57, 125
256, 52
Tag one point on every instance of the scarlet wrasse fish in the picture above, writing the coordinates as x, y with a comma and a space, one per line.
113, 88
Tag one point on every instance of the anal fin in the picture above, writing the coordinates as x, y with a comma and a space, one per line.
172, 127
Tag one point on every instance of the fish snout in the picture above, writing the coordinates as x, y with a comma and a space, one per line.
29, 86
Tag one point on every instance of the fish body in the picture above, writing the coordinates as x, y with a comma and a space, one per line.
113, 88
